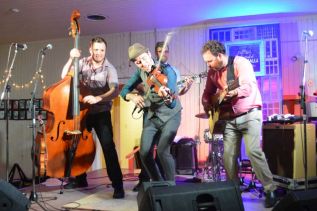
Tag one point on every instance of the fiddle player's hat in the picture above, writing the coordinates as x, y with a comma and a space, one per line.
136, 50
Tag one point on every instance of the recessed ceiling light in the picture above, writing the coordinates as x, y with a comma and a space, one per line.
15, 10
96, 17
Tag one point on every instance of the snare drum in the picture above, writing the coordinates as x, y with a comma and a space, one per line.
209, 138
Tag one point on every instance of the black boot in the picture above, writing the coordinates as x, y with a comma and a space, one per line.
270, 199
118, 193
79, 182
137, 187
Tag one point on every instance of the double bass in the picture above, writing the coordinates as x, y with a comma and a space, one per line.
69, 146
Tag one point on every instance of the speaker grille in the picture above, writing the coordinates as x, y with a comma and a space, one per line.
11, 199
185, 155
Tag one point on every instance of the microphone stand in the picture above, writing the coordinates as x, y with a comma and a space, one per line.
32, 108
6, 92
303, 107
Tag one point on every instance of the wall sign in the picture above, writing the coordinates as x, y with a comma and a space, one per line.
251, 50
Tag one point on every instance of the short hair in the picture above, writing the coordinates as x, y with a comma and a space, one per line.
98, 40
160, 45
214, 47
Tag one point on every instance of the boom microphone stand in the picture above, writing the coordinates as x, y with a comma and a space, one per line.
6, 92
306, 34
32, 108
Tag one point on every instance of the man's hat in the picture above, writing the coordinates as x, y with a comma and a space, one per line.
136, 50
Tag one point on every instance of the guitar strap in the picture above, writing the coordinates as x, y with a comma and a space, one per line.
216, 126
230, 70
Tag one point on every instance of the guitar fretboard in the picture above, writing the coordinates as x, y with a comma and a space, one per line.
200, 75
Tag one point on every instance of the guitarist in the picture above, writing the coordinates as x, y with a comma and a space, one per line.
243, 108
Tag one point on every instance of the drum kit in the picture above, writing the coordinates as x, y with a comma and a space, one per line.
214, 163
214, 168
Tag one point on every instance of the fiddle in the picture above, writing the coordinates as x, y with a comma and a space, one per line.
158, 81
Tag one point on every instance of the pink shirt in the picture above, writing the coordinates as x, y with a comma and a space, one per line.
249, 95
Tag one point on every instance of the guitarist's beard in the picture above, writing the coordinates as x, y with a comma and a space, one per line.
218, 65
217, 69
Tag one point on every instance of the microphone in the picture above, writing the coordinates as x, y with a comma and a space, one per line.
23, 46
308, 33
47, 47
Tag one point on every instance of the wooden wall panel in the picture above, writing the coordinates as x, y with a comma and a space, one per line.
185, 54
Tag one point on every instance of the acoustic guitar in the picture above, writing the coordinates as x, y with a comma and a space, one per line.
216, 101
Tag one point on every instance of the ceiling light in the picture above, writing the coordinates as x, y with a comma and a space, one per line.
96, 17
15, 10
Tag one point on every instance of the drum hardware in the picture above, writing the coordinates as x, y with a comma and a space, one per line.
214, 163
245, 167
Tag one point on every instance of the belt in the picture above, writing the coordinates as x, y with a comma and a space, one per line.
249, 111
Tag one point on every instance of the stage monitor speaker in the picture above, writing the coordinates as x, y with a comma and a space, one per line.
298, 201
224, 196
12, 199
283, 147
185, 155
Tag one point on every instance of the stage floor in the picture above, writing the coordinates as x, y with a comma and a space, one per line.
98, 195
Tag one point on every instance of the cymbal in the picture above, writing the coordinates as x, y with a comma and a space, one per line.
202, 116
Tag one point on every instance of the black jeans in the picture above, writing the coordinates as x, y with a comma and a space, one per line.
101, 122
144, 176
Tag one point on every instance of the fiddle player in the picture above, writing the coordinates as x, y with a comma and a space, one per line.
162, 111
99, 76
245, 116
163, 54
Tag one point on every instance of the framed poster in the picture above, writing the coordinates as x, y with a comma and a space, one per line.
22, 114
2, 116
2, 105
15, 115
251, 50
22, 104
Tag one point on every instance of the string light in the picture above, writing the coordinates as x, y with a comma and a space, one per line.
28, 84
